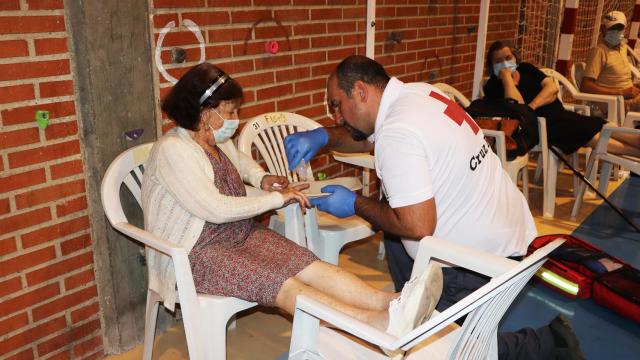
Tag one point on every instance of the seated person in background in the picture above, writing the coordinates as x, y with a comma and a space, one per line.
608, 70
526, 84
193, 195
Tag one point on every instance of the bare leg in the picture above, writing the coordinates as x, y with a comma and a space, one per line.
345, 286
620, 144
293, 287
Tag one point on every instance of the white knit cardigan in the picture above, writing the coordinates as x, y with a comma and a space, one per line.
179, 196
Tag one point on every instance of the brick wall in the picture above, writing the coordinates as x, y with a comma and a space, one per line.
48, 298
437, 44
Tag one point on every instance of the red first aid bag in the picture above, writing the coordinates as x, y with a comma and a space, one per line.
619, 290
566, 273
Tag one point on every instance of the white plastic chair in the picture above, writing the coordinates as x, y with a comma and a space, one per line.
437, 338
205, 317
600, 154
267, 132
515, 168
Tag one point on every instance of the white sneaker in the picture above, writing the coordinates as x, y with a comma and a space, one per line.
416, 302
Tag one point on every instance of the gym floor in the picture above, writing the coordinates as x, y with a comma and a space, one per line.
264, 333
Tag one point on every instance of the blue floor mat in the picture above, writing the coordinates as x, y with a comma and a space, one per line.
603, 334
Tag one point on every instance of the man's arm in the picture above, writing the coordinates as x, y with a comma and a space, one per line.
547, 95
412, 222
340, 140
589, 85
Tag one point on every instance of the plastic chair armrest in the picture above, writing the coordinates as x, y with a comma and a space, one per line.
611, 101
501, 145
467, 257
365, 160
148, 239
345, 322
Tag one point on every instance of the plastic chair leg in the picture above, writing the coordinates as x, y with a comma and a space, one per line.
151, 317
605, 171
381, 251
549, 198
525, 183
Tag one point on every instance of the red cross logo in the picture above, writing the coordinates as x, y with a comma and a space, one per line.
455, 112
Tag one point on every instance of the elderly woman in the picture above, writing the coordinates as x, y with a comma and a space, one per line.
193, 194
523, 82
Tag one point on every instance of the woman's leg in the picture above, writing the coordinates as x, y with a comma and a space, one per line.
345, 286
293, 287
620, 144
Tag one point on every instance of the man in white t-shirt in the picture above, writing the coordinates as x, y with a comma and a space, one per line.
439, 176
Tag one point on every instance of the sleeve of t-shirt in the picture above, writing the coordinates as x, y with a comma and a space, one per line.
493, 89
404, 167
595, 60
529, 70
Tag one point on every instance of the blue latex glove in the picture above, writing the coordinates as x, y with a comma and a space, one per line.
341, 203
304, 145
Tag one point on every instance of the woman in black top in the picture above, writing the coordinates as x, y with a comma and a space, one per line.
524, 83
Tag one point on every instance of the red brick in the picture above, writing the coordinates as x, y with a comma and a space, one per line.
65, 169
221, 3
79, 279
13, 323
249, 16
5, 207
274, 91
250, 111
217, 51
99, 355
50, 193
26, 114
21, 221
44, 153
45, 4
296, 73
25, 261
85, 312
178, 3
326, 14
31, 24
34, 69
226, 35
54, 270
22, 180
310, 85
55, 231
291, 14
271, 2
10, 139
10, 5
9, 94
71, 206
258, 79
26, 300
293, 102
310, 29
310, 57
178, 38
10, 286
51, 46
61, 130
272, 32
56, 88
64, 303
88, 346
161, 20
208, 18
64, 355
13, 48
67, 337
31, 335
23, 355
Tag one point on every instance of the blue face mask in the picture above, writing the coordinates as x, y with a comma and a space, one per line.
227, 130
509, 64
613, 37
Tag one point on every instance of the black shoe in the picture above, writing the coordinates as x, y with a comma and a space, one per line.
566, 342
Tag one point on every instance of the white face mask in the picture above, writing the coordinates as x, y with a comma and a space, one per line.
613, 37
227, 130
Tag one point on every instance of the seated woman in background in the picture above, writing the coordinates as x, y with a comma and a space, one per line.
193, 194
566, 130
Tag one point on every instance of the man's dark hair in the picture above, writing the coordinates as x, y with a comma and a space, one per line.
357, 67
499, 45
182, 104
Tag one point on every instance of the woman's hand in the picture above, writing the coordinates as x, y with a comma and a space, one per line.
506, 74
274, 183
630, 92
294, 194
